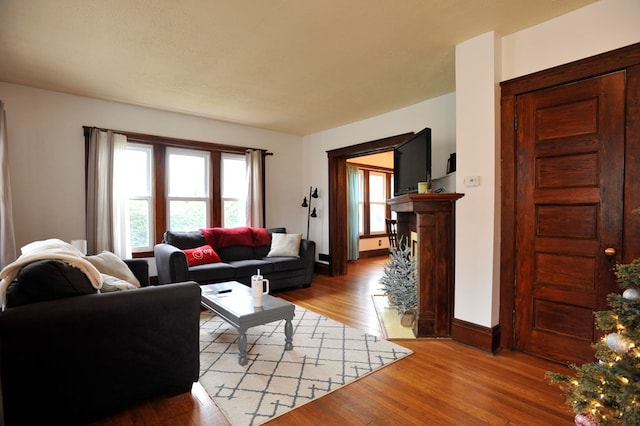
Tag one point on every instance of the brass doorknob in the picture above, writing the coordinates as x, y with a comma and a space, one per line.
610, 251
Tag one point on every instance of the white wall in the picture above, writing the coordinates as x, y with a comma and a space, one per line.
438, 113
477, 233
46, 157
597, 28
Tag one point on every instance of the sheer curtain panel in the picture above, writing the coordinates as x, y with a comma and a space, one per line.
254, 159
107, 216
7, 235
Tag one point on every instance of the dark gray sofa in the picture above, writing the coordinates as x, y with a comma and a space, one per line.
75, 359
238, 262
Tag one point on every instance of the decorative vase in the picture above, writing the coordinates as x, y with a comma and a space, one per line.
407, 318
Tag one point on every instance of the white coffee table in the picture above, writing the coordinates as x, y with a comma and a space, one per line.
232, 301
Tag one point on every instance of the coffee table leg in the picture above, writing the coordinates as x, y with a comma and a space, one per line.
242, 346
288, 335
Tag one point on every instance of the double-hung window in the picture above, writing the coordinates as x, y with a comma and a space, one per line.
234, 190
374, 190
188, 192
141, 200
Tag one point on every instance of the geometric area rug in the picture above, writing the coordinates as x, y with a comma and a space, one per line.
326, 356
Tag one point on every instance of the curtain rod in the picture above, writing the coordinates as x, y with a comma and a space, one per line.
167, 140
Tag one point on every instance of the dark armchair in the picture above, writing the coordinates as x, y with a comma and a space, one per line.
75, 359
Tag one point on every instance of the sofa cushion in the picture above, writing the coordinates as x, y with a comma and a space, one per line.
261, 251
249, 267
281, 264
232, 254
285, 245
110, 264
212, 272
47, 280
185, 239
201, 255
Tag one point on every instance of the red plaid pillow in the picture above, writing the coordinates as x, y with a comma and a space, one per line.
201, 255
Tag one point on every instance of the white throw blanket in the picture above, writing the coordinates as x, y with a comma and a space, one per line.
43, 250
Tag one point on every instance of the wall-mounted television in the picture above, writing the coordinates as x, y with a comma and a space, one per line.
412, 163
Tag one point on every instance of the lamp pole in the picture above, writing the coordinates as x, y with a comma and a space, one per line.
312, 194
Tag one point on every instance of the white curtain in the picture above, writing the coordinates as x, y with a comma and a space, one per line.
107, 214
7, 236
254, 159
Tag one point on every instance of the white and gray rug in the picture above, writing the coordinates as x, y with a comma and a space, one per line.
326, 356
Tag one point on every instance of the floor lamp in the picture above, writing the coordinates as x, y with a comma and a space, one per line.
313, 193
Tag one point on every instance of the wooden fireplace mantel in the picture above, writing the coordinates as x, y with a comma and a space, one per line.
432, 217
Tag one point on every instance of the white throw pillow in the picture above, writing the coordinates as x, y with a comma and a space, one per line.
110, 284
285, 245
110, 264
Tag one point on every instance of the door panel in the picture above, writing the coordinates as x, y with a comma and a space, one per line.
569, 178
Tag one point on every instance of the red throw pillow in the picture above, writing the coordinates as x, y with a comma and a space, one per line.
201, 255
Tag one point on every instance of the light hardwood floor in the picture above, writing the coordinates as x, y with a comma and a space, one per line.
441, 383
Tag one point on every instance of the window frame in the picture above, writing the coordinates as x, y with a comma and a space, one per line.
223, 197
207, 190
149, 150
364, 170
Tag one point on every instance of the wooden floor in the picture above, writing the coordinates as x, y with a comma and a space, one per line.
442, 383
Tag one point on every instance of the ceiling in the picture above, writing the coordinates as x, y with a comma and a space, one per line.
295, 66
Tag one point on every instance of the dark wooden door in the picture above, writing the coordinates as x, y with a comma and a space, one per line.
569, 211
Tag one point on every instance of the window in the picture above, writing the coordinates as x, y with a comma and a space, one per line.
182, 186
377, 202
234, 190
187, 189
374, 190
140, 205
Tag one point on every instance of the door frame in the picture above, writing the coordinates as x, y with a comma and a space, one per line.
338, 195
626, 58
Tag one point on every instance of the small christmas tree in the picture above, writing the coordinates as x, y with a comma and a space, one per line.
608, 391
400, 280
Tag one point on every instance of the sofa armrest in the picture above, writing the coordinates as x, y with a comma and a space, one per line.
90, 355
140, 268
171, 264
308, 253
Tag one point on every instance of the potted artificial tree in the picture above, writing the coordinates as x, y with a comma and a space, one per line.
400, 282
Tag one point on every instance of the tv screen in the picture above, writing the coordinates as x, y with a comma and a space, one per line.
412, 163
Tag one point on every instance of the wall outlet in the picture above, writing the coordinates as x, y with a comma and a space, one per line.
472, 181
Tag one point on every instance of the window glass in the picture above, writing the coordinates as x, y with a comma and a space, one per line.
188, 189
377, 202
140, 204
187, 215
234, 190
188, 173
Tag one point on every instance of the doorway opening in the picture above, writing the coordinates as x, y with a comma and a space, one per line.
338, 195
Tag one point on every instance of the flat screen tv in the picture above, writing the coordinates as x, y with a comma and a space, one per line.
412, 163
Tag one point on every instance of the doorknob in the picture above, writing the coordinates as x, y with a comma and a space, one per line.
610, 251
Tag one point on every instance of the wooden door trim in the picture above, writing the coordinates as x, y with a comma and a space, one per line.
338, 195
620, 59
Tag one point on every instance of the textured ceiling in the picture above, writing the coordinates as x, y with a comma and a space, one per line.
296, 66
